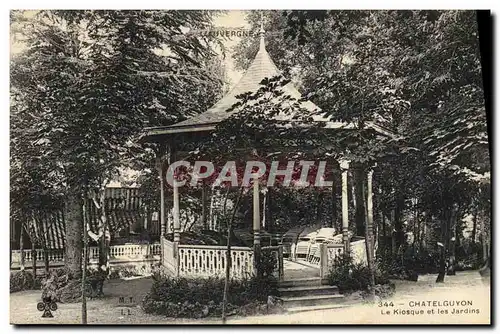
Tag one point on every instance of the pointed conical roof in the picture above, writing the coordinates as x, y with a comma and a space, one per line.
261, 67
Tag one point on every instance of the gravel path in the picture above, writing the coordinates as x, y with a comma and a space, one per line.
465, 286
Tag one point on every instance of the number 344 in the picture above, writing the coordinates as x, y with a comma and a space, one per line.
385, 304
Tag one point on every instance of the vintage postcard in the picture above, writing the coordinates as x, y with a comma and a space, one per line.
249, 167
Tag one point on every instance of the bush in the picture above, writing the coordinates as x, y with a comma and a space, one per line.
60, 287
469, 255
409, 264
349, 277
197, 298
23, 280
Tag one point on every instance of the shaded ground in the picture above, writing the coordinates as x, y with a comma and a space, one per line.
299, 269
464, 286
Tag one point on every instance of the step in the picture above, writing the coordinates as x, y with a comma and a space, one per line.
315, 308
297, 291
290, 302
305, 281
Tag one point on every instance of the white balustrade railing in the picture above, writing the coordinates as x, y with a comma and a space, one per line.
210, 261
54, 255
116, 252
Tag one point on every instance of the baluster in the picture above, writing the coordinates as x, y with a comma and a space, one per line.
196, 255
183, 260
204, 261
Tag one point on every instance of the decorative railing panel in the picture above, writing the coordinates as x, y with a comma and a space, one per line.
210, 261
54, 255
358, 252
277, 251
334, 251
169, 260
329, 252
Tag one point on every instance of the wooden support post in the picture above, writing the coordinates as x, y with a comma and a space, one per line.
323, 261
161, 171
256, 226
334, 221
176, 213
344, 165
204, 211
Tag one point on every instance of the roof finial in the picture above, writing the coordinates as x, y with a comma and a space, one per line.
262, 32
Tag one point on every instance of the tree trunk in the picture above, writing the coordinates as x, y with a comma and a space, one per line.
398, 221
105, 239
74, 232
224, 205
443, 246
384, 234
228, 256
451, 260
453, 241
474, 225
369, 238
359, 216
394, 249
442, 266
416, 227
423, 237
21, 248
84, 228
484, 240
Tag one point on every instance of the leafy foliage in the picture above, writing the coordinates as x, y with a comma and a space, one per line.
23, 280
196, 298
415, 73
85, 85
349, 277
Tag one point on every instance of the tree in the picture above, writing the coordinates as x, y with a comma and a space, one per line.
91, 80
417, 73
